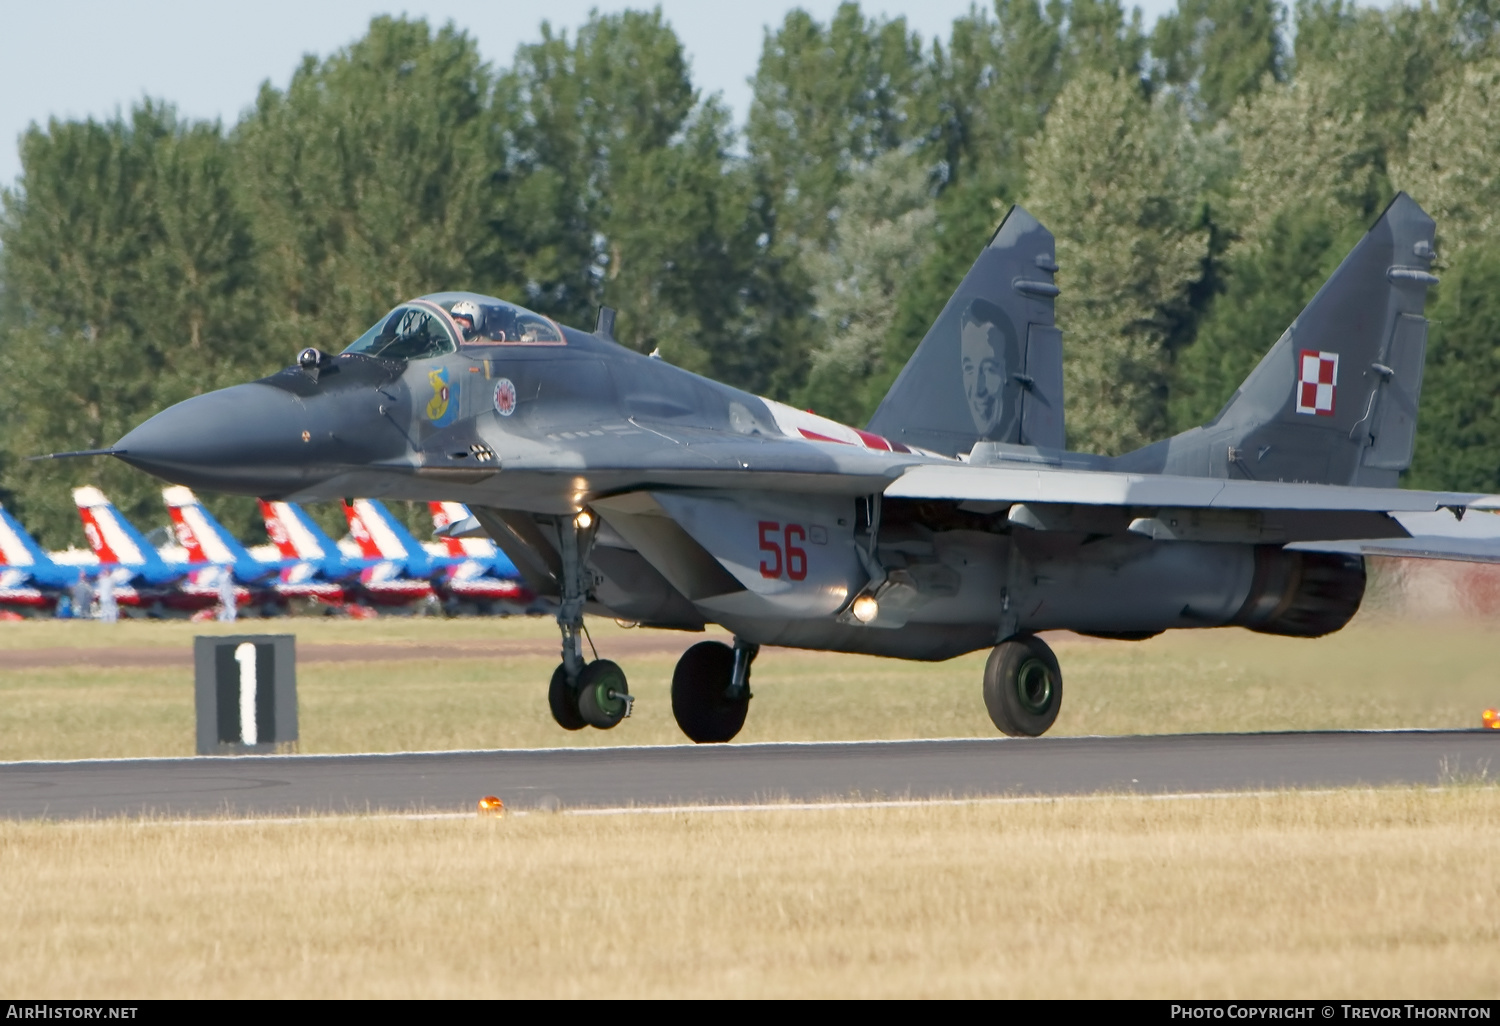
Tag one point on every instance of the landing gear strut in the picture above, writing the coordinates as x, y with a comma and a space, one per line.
582, 693
711, 690
1023, 686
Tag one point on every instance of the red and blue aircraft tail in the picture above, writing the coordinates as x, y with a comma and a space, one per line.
117, 542
207, 541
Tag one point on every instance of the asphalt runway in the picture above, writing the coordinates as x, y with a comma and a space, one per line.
739, 774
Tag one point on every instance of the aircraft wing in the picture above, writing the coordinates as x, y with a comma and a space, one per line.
1309, 517
1440, 535
1107, 488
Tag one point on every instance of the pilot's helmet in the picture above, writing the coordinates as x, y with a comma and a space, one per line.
466, 315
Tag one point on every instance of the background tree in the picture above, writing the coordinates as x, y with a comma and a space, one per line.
1450, 164
883, 232
1119, 181
129, 285
371, 179
1216, 52
1306, 182
828, 100
644, 207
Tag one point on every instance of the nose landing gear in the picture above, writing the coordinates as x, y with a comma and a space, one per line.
582, 693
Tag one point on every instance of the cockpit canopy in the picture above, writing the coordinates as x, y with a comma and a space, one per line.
438, 324
496, 322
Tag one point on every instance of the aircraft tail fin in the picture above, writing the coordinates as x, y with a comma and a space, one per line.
1335, 400
369, 548
206, 540
482, 550
113, 538
17, 547
445, 513
385, 537
295, 534
990, 367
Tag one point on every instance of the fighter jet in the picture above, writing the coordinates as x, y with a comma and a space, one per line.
483, 578
30, 579
143, 580
955, 521
273, 583
366, 577
458, 578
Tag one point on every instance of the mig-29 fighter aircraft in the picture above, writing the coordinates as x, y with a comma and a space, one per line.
955, 521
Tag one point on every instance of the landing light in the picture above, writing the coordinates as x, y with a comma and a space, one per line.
584, 520
866, 608
489, 805
1491, 719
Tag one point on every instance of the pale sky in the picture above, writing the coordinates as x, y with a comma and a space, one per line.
81, 58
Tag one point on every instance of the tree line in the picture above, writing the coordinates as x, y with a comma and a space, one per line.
1202, 179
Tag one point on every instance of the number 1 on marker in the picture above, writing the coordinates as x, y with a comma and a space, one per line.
249, 729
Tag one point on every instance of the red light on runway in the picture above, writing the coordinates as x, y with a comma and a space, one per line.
1491, 719
489, 805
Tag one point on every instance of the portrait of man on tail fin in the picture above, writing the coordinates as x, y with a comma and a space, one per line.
989, 350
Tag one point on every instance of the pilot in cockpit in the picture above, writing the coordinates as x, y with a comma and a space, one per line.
466, 314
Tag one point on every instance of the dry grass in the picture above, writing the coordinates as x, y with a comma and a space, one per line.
1354, 894
1376, 673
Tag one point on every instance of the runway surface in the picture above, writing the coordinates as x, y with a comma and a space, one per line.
687, 774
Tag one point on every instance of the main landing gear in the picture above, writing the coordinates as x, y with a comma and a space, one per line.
582, 693
1023, 686
711, 690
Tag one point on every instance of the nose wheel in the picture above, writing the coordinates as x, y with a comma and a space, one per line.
563, 700
602, 698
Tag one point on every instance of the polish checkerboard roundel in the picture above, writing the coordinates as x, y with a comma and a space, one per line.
1317, 379
505, 397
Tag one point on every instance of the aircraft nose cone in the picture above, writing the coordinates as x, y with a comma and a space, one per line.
245, 439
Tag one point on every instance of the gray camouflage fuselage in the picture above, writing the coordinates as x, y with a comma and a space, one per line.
720, 507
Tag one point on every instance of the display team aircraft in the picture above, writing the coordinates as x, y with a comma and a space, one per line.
29, 578
955, 521
143, 579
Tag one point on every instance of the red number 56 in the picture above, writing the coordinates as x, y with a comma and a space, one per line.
795, 562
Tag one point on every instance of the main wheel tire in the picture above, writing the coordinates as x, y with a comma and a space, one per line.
1023, 686
601, 694
564, 701
702, 709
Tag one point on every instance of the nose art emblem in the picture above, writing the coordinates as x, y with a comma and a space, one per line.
505, 397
